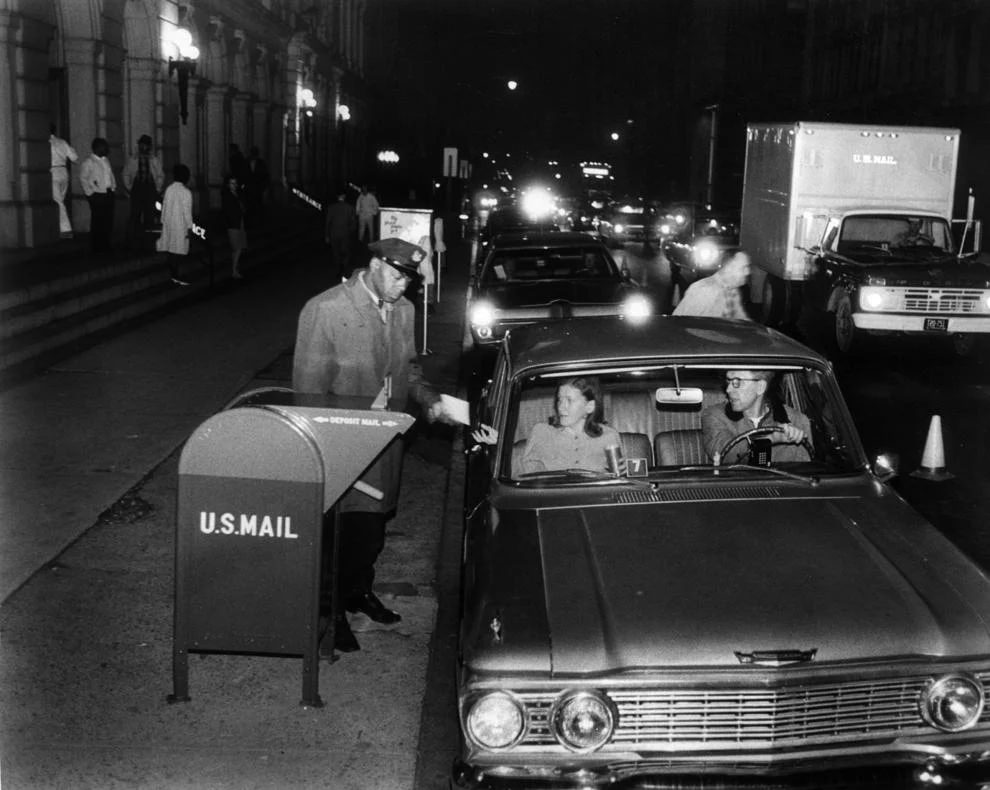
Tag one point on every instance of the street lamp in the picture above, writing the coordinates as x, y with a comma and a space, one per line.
306, 102
184, 64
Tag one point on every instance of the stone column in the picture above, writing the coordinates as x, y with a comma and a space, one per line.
143, 105
239, 109
81, 64
216, 143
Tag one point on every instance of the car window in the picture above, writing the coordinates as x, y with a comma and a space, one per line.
670, 437
570, 264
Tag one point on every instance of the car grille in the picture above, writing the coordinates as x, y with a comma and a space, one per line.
755, 717
697, 494
944, 300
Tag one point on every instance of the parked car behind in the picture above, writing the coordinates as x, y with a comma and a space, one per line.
700, 248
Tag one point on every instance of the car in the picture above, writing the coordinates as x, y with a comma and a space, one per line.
777, 615
628, 220
529, 277
699, 248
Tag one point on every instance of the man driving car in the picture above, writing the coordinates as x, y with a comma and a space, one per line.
751, 404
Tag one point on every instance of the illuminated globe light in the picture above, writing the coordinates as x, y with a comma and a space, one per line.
388, 157
182, 38
537, 203
344, 112
706, 253
512, 85
614, 135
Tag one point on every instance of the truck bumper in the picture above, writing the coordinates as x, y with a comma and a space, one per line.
895, 322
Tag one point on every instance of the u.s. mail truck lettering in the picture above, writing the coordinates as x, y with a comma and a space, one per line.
249, 525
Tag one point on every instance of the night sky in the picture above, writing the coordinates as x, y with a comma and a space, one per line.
583, 69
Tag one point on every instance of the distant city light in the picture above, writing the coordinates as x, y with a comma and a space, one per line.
614, 135
388, 157
512, 85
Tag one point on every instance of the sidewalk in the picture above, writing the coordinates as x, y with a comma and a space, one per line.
87, 498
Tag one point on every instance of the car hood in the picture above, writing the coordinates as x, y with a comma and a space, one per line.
695, 584
507, 297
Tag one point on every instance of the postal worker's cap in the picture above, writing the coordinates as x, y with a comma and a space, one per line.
399, 255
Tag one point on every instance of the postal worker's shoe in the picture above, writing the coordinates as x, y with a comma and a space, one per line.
374, 608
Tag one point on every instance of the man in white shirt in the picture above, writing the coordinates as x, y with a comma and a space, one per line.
98, 184
367, 208
62, 154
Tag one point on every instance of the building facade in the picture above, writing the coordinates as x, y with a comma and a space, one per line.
284, 76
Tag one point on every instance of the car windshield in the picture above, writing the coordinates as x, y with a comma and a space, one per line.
680, 419
509, 266
883, 233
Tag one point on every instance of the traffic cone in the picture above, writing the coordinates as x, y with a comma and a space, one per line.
933, 458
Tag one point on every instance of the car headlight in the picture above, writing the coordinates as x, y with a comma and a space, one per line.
584, 720
482, 314
637, 306
872, 298
953, 702
665, 228
706, 253
496, 720
619, 227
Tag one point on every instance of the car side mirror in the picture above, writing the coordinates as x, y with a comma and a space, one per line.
886, 466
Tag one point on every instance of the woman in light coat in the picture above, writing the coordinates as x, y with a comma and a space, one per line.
177, 221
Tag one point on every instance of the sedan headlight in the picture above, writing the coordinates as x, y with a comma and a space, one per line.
619, 227
706, 253
583, 720
482, 314
637, 306
953, 702
496, 720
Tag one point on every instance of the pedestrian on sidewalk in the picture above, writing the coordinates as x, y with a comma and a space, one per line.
143, 178
339, 234
62, 155
357, 339
232, 206
98, 184
367, 209
177, 222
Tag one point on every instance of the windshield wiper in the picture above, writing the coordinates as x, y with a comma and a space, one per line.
811, 480
582, 474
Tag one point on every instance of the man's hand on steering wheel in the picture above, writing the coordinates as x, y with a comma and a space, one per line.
792, 434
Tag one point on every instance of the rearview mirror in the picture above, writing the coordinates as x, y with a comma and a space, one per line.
685, 396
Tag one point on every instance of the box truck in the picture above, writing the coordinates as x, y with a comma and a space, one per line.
855, 223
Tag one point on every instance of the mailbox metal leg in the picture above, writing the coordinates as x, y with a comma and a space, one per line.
180, 676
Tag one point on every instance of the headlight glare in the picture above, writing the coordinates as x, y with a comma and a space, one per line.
953, 702
496, 720
706, 253
871, 298
619, 227
482, 314
986, 301
637, 306
583, 721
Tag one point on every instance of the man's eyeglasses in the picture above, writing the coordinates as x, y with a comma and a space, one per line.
736, 382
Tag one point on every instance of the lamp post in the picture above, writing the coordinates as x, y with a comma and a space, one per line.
343, 115
184, 64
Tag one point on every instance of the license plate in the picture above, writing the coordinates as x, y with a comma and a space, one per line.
936, 324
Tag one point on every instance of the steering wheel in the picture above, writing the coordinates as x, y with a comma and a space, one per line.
754, 432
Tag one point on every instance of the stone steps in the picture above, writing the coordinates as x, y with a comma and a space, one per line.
55, 302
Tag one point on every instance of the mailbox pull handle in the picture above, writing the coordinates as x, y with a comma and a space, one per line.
371, 491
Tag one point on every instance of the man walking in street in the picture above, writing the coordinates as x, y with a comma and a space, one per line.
98, 184
144, 179
358, 339
718, 295
367, 209
62, 154
341, 222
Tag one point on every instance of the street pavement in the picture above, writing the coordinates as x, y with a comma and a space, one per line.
88, 473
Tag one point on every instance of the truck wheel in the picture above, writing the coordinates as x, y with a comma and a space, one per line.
843, 334
773, 301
